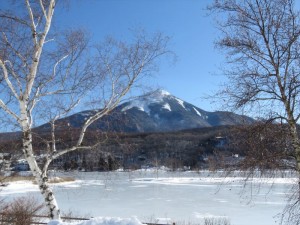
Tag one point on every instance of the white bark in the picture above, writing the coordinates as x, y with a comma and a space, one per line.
26, 122
40, 177
27, 85
25, 119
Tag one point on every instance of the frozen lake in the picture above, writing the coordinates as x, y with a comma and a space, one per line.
181, 196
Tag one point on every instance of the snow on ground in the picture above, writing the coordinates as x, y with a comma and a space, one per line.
152, 194
213, 180
22, 187
18, 187
101, 221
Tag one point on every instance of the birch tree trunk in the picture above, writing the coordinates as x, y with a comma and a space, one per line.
40, 177
52, 80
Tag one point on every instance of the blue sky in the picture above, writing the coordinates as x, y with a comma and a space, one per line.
192, 34
185, 21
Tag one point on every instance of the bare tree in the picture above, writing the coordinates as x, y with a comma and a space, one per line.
261, 41
263, 146
45, 74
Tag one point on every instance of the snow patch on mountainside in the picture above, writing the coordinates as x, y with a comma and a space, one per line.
180, 102
139, 104
142, 103
163, 92
198, 113
141, 109
167, 107
88, 113
157, 96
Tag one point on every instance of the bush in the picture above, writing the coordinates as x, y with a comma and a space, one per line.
21, 211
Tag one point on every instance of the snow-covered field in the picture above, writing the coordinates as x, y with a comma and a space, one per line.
180, 196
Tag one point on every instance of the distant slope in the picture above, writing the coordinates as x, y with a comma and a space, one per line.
157, 112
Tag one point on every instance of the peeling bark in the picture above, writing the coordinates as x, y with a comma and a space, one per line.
40, 177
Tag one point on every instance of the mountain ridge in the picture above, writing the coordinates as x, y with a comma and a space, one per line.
156, 112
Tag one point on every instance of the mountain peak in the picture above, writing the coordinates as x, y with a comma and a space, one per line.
143, 102
161, 92
157, 111
156, 96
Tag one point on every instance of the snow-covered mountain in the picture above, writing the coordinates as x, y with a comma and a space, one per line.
156, 112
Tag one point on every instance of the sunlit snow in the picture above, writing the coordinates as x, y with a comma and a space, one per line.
88, 113
180, 196
142, 103
167, 107
163, 93
102, 221
199, 114
180, 102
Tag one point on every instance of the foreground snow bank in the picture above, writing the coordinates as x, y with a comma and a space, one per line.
101, 221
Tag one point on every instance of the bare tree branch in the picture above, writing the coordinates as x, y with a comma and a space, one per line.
42, 83
261, 38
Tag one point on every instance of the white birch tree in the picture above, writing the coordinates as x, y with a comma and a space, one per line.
43, 70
